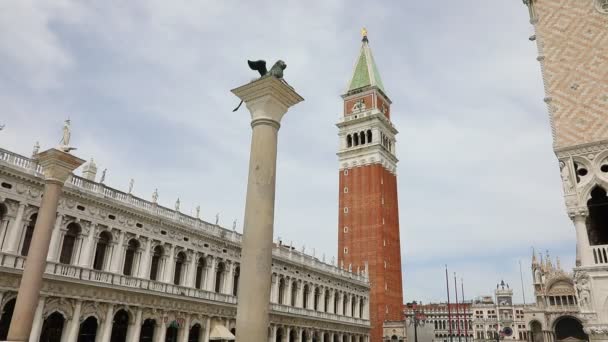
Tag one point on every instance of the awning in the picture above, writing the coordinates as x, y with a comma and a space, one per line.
219, 332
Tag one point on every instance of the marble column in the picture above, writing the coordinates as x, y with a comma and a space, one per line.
267, 99
89, 245
192, 270
14, 233
207, 330
37, 324
144, 269
288, 293
584, 254
53, 255
162, 333
74, 325
229, 283
273, 334
300, 296
170, 265
184, 330
57, 166
135, 330
274, 292
117, 254
106, 328
211, 274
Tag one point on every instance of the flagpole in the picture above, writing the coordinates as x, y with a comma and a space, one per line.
447, 287
457, 311
464, 308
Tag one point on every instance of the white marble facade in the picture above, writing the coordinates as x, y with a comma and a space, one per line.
121, 268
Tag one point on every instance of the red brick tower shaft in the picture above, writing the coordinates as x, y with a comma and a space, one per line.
368, 216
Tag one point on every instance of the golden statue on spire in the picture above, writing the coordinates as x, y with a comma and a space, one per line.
364, 32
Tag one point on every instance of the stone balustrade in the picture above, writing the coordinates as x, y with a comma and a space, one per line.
600, 254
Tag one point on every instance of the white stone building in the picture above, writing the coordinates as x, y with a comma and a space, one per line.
498, 317
121, 268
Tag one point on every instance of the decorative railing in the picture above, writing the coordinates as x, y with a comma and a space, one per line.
279, 308
78, 273
600, 254
99, 189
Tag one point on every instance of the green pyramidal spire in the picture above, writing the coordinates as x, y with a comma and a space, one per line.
365, 73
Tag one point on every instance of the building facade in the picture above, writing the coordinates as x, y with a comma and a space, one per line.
121, 268
498, 317
572, 39
442, 325
368, 218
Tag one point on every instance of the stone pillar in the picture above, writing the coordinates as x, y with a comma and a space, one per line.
135, 330
268, 99
57, 166
14, 233
170, 265
185, 330
300, 296
273, 334
210, 278
584, 255
162, 333
207, 330
191, 275
37, 324
229, 283
106, 331
89, 245
74, 323
144, 270
321, 303
287, 294
55, 239
274, 292
118, 253
330, 303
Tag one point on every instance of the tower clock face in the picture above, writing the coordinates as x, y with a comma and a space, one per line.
508, 331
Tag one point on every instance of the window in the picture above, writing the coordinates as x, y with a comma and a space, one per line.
235, 283
200, 273
349, 141
130, 257
69, 240
315, 303
294, 293
219, 277
369, 136
346, 210
362, 135
344, 304
346, 229
101, 250
326, 301
29, 232
345, 189
179, 265
345, 250
346, 172
154, 269
281, 291
305, 297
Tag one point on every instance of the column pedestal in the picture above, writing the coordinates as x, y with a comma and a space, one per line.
57, 166
268, 99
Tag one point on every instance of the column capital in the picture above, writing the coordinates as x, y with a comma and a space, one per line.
268, 99
57, 165
578, 213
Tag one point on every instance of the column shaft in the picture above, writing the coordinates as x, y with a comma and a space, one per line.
118, 254
14, 233
106, 331
192, 271
135, 330
74, 324
207, 330
31, 280
89, 245
55, 238
37, 324
584, 255
144, 270
170, 265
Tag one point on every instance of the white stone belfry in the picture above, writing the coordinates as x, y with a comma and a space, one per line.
268, 99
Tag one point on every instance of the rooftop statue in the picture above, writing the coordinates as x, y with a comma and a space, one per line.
64, 144
260, 66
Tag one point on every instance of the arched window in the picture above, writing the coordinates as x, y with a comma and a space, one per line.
154, 267
29, 232
294, 293
69, 241
120, 325
349, 141
179, 265
235, 283
147, 330
369, 136
219, 277
5, 318
132, 247
281, 291
200, 273
52, 328
101, 251
344, 304
356, 138
326, 301
88, 329
305, 296
361, 306
336, 300
362, 137
597, 223
315, 303
353, 310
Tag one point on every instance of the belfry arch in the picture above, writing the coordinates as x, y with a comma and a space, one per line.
597, 221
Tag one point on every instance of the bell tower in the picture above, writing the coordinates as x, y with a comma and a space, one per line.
368, 218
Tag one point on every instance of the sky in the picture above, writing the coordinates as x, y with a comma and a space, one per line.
147, 87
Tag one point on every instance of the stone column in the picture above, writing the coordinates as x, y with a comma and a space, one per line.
273, 334
117, 254
268, 99
321, 303
162, 331
584, 255
211, 273
192, 270
135, 330
74, 325
300, 296
207, 330
89, 245
287, 294
170, 265
144, 269
14, 233
274, 292
55, 239
57, 166
37, 324
185, 330
229, 283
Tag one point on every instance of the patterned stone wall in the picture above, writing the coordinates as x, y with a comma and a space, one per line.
572, 37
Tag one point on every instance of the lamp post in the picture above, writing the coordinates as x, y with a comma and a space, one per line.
416, 318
